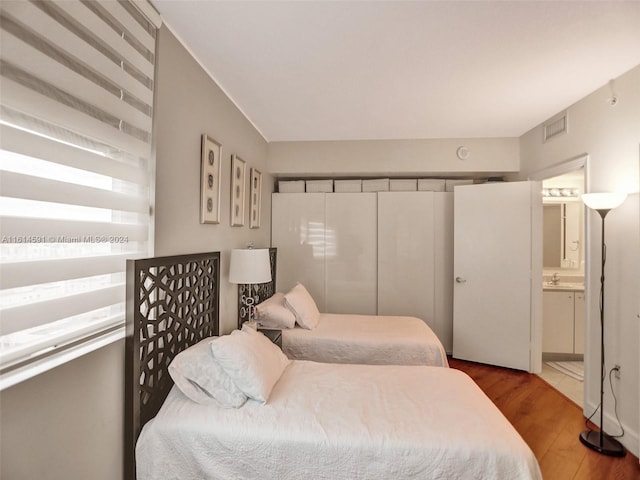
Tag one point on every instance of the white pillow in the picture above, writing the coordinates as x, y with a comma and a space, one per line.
272, 313
199, 376
252, 361
301, 304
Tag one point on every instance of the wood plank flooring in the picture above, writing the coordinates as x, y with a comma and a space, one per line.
550, 423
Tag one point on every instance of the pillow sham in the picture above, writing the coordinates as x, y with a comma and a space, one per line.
251, 361
302, 305
273, 313
202, 379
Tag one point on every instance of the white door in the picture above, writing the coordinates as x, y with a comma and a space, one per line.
351, 250
443, 248
497, 312
297, 230
406, 270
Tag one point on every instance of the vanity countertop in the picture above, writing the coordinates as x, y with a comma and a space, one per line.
563, 287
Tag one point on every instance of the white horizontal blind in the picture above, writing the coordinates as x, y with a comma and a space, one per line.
76, 109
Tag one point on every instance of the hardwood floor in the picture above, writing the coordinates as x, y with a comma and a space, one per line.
550, 423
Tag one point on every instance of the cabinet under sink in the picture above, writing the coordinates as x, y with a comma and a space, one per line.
563, 321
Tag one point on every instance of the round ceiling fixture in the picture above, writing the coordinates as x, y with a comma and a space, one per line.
462, 153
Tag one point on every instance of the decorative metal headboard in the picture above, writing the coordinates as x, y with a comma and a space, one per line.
172, 303
260, 291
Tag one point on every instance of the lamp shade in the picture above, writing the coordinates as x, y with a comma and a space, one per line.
250, 265
603, 201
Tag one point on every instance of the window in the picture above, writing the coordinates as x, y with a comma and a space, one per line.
76, 111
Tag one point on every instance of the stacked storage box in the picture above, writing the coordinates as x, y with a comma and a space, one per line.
319, 186
375, 185
291, 186
347, 186
431, 185
403, 185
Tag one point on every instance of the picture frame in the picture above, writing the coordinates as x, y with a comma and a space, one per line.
238, 176
210, 172
255, 195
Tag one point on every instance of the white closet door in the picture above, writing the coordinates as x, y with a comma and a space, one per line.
351, 253
406, 254
443, 248
298, 232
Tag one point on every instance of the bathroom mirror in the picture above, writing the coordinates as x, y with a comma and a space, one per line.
563, 234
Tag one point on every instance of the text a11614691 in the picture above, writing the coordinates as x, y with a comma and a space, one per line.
64, 239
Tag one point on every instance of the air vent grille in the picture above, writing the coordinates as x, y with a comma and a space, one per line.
555, 127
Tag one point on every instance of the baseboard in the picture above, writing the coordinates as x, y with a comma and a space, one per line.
631, 439
562, 357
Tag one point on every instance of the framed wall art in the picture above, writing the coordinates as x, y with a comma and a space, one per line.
210, 169
255, 193
238, 174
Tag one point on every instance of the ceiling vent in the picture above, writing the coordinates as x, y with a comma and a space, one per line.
555, 127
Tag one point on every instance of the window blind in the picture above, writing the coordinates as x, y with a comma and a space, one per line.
76, 110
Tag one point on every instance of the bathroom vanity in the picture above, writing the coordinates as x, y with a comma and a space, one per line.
563, 318
563, 287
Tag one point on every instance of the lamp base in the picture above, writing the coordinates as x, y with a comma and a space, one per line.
609, 446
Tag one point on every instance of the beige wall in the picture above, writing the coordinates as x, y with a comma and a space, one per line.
67, 424
430, 157
610, 135
189, 104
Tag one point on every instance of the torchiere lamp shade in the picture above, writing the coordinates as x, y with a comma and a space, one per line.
603, 201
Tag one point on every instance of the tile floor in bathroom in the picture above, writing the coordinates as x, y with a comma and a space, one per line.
568, 386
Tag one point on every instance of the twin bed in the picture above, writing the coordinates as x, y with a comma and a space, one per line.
340, 338
319, 420
366, 339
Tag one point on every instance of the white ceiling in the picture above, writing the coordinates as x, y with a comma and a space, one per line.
327, 70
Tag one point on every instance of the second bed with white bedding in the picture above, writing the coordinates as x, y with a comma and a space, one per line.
326, 421
366, 339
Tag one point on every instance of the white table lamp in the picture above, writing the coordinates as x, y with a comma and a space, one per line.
250, 266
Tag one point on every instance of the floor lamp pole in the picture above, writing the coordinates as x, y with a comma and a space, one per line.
600, 441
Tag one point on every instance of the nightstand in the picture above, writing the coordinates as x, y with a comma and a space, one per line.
274, 335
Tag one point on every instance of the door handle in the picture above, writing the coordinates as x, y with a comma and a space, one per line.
460, 280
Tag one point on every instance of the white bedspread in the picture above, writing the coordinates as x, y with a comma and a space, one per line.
366, 339
335, 422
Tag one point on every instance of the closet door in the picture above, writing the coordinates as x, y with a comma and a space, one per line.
443, 251
298, 231
406, 265
351, 253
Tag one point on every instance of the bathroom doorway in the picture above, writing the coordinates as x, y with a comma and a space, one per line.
564, 269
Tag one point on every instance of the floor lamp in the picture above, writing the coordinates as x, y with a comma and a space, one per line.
600, 441
249, 266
